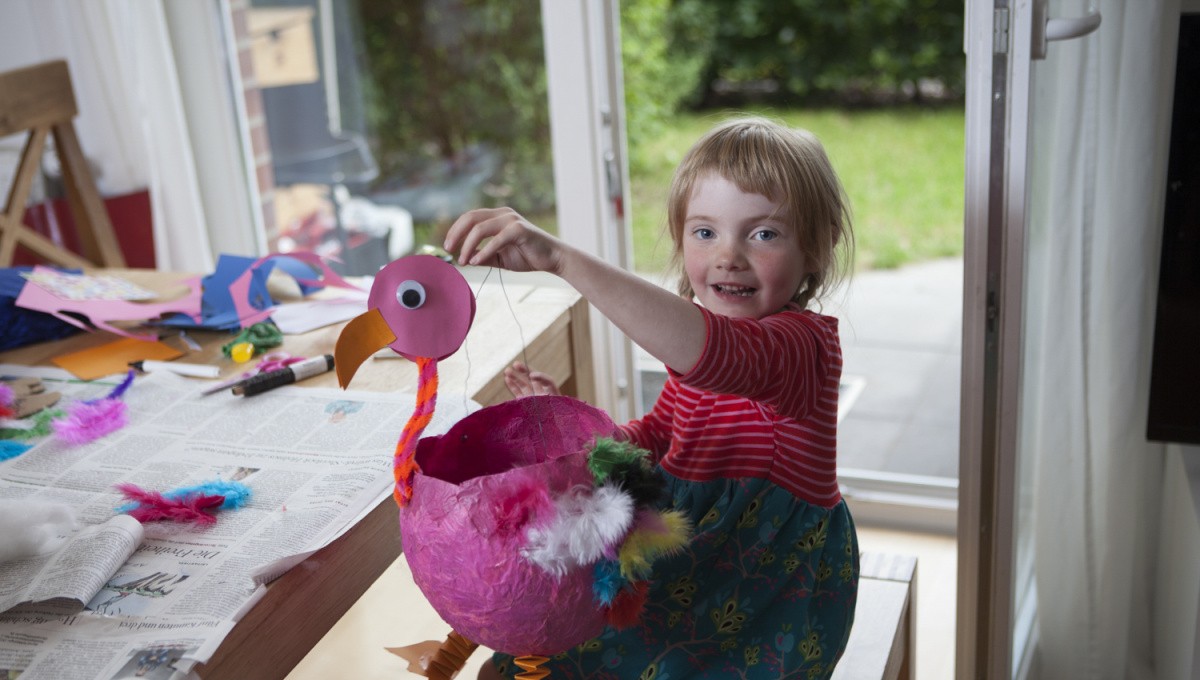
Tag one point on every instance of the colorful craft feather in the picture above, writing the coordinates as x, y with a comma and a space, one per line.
233, 494
12, 449
528, 505
42, 426
626, 609
607, 581
87, 421
609, 453
655, 535
626, 465
615, 527
588, 524
151, 506
236, 494
6, 401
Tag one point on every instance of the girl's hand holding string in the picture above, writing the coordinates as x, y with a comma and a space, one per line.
523, 382
670, 328
515, 244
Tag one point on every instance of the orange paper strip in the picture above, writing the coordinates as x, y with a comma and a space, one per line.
114, 357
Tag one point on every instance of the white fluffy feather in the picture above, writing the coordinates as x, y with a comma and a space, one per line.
586, 522
30, 528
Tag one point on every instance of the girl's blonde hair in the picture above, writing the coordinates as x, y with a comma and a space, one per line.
788, 166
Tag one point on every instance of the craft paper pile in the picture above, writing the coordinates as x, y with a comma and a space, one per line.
236, 296
89, 313
23, 326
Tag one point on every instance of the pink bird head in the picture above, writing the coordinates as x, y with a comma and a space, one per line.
419, 306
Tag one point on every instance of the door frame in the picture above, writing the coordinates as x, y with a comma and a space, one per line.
998, 46
591, 176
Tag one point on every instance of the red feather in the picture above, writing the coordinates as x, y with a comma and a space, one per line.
527, 504
153, 506
627, 606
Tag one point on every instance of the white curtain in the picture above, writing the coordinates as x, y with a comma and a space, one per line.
131, 124
1099, 130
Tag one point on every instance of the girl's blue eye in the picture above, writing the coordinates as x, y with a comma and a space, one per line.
766, 235
703, 232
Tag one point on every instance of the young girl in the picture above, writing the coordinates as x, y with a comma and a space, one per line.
745, 429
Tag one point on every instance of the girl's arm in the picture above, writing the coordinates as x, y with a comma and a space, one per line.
668, 327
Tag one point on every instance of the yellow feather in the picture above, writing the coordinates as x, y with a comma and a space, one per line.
645, 545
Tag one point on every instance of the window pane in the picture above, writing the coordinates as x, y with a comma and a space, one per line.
383, 120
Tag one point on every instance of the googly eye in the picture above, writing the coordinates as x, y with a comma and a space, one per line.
410, 294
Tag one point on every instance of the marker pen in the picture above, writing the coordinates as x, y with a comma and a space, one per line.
285, 376
177, 367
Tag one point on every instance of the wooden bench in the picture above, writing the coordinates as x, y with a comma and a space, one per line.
882, 643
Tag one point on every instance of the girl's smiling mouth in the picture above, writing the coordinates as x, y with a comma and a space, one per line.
734, 290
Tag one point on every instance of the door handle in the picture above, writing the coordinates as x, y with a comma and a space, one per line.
1046, 29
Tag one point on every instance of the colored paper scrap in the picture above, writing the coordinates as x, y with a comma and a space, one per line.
100, 313
247, 314
236, 296
301, 317
217, 308
114, 357
70, 286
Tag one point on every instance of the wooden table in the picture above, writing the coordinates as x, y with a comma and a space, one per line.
529, 317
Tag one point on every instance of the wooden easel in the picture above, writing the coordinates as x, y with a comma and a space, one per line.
40, 100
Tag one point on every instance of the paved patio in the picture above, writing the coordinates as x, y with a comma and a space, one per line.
902, 343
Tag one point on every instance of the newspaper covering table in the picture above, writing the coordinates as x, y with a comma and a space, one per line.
122, 599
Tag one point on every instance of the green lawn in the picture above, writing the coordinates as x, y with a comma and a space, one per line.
902, 169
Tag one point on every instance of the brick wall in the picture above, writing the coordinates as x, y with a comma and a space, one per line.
255, 117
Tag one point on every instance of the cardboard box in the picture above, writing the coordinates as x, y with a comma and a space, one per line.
283, 47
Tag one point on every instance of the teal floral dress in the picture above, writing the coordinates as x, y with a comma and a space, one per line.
766, 590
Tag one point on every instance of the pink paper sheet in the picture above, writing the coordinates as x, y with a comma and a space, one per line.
102, 312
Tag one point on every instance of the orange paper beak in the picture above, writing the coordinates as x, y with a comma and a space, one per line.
364, 335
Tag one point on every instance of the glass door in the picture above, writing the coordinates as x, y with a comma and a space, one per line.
374, 124
1002, 263
893, 127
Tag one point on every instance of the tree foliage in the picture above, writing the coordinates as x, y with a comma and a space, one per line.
452, 77
449, 77
659, 76
799, 51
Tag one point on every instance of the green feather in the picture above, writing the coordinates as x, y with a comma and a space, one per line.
608, 454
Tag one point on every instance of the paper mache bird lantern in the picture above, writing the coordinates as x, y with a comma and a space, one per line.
527, 526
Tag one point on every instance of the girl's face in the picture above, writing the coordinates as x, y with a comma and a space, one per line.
741, 257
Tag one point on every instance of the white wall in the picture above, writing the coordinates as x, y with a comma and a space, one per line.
1177, 598
18, 47
36, 31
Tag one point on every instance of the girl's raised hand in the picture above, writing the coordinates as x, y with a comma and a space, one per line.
523, 382
500, 237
